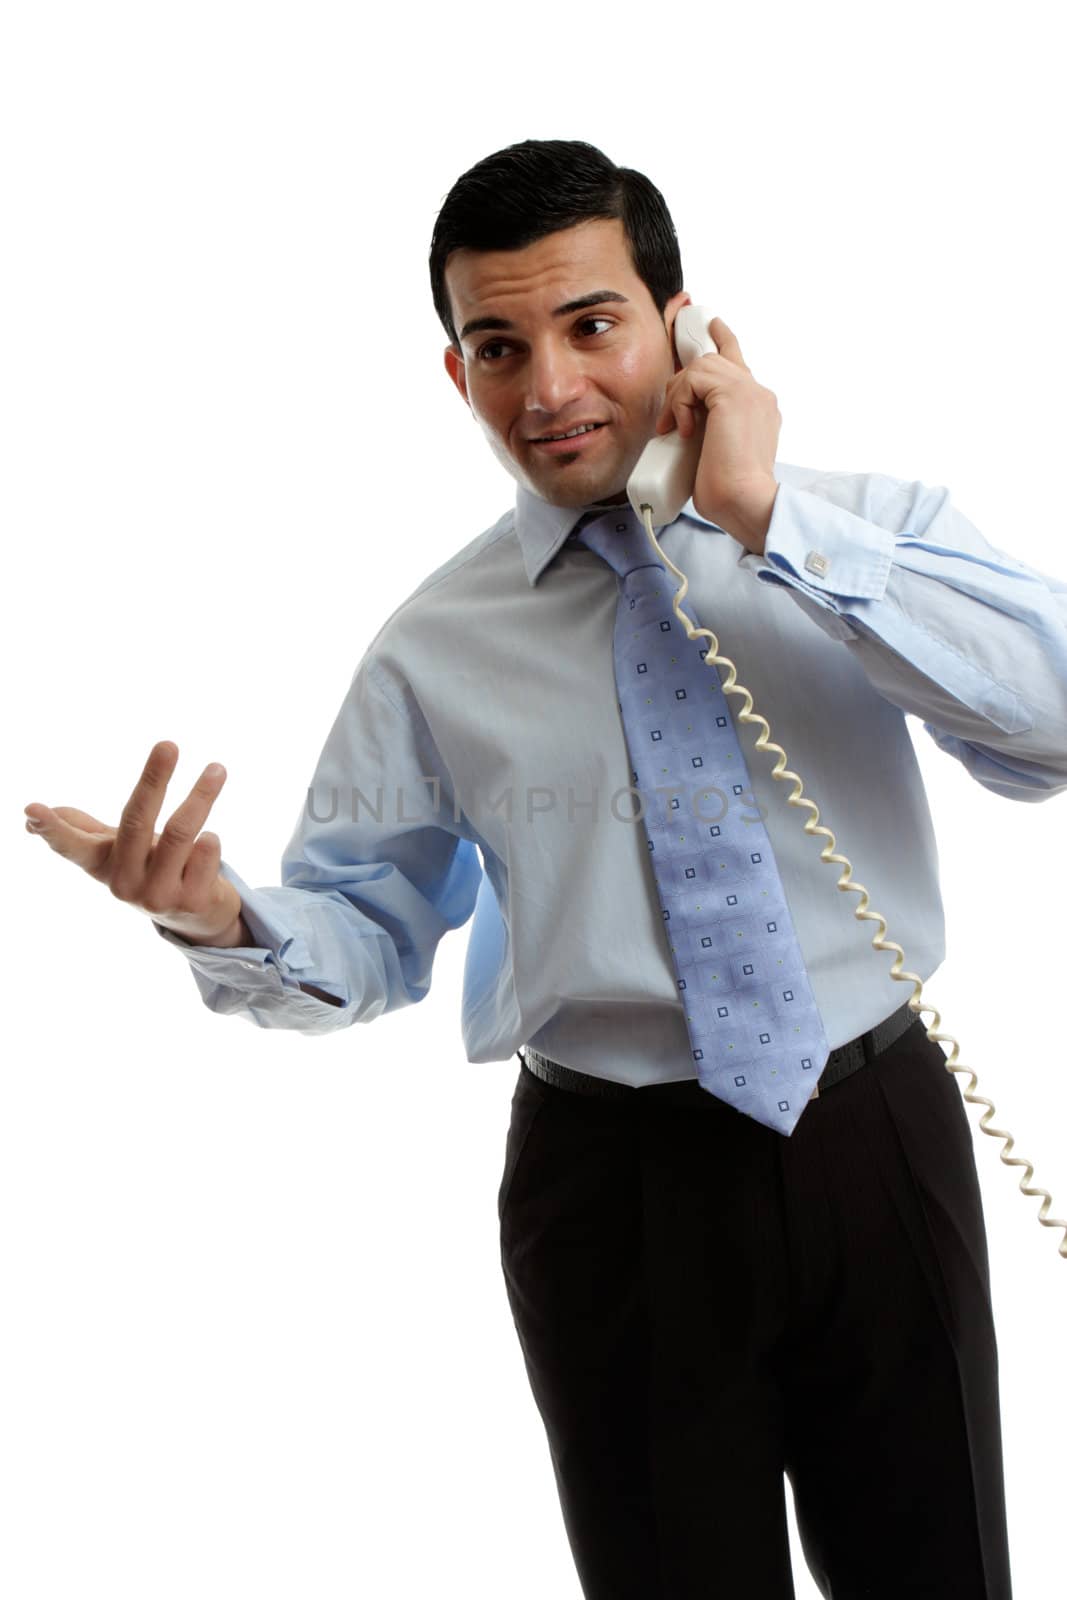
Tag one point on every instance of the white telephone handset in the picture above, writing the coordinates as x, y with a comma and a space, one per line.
658, 488
663, 477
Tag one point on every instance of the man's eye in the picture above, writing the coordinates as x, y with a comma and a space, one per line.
495, 344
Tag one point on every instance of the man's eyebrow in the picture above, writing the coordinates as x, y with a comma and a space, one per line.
598, 297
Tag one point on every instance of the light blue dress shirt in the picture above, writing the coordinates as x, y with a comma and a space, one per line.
478, 765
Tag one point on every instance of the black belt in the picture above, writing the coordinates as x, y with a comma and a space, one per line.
841, 1063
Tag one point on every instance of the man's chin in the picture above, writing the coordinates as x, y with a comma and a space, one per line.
578, 490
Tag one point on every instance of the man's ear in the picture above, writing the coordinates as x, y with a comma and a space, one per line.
457, 371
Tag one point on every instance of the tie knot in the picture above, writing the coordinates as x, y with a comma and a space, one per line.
619, 539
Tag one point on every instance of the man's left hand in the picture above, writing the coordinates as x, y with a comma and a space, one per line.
735, 483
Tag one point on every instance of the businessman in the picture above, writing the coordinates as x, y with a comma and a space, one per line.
718, 1278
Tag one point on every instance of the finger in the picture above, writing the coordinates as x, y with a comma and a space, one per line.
686, 401
201, 870
726, 340
136, 829
83, 821
61, 828
682, 417
687, 407
169, 859
689, 421
668, 416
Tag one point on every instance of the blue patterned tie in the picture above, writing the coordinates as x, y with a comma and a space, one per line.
757, 1036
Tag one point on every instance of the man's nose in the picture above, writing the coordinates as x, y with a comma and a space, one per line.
554, 378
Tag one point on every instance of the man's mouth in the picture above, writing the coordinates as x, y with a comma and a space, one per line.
572, 438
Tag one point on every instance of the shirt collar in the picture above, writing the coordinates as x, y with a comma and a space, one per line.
542, 528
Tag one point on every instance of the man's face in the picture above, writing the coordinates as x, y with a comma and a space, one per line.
607, 362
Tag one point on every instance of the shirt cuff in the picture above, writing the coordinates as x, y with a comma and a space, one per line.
277, 951
821, 548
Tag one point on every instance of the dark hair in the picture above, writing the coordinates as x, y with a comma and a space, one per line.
529, 190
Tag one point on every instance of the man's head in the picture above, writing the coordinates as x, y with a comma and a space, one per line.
521, 238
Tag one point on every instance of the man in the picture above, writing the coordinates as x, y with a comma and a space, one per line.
705, 1302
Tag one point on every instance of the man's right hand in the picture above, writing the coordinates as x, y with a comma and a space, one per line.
172, 876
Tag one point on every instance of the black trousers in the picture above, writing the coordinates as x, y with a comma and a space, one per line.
705, 1306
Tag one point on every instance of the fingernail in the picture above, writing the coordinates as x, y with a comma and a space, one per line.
34, 827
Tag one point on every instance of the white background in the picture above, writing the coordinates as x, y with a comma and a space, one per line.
255, 1337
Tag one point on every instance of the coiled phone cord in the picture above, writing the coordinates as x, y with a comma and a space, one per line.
845, 884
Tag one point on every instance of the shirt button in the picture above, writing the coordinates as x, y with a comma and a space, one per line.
816, 562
